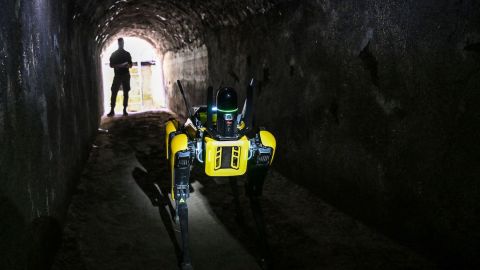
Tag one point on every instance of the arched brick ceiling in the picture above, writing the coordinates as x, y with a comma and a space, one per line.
168, 24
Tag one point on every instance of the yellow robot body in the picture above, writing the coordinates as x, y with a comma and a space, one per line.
226, 158
179, 143
268, 140
170, 128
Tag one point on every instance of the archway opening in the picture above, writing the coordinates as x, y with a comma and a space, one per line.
147, 88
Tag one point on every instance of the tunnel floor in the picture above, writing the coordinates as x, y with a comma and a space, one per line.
113, 223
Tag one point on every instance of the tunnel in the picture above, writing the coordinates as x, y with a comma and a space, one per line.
374, 106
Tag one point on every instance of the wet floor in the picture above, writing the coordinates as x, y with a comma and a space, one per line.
119, 220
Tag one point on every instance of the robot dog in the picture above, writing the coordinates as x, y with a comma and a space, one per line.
223, 141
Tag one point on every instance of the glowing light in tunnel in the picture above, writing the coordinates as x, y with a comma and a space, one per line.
227, 111
147, 91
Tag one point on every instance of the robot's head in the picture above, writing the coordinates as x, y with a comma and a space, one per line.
227, 109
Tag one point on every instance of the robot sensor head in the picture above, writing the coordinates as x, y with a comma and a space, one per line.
227, 109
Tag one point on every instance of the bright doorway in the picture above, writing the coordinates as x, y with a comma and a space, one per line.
147, 91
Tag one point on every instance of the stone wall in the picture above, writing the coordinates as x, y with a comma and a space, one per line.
190, 66
49, 110
375, 108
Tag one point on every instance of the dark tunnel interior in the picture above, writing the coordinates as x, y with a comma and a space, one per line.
374, 105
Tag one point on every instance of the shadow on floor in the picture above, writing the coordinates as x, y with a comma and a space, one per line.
165, 208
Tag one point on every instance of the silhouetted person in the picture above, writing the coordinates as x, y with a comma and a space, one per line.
120, 61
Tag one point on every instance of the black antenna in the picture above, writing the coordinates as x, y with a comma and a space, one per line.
184, 98
248, 106
209, 107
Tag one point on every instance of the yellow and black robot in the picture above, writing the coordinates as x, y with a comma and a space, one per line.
222, 141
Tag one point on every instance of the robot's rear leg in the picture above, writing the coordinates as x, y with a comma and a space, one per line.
254, 188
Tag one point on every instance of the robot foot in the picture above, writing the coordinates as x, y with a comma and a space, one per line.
239, 219
264, 264
186, 266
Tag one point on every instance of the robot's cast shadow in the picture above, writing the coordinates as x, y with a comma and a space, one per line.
165, 208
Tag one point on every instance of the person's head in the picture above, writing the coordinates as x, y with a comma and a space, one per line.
120, 43
227, 111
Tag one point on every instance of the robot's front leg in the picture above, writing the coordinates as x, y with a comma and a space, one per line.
182, 210
254, 187
236, 200
263, 152
181, 189
181, 160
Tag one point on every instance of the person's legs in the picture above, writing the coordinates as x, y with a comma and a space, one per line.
126, 89
125, 102
113, 99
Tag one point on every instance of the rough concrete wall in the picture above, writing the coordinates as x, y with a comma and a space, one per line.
191, 68
48, 114
375, 107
